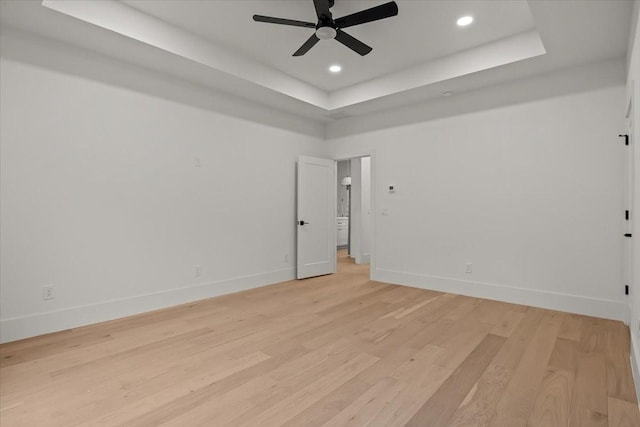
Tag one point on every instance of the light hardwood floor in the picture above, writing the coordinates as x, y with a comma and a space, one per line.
330, 351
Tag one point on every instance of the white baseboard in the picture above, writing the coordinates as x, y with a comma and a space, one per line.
608, 309
42, 323
635, 362
16, 328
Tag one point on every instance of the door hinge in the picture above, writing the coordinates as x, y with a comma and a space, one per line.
626, 289
626, 139
626, 215
628, 235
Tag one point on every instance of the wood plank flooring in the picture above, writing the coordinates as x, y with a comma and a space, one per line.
336, 350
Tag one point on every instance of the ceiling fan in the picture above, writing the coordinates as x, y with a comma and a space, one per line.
328, 28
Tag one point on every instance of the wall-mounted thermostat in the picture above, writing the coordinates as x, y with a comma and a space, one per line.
392, 188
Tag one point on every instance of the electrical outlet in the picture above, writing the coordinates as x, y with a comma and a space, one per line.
197, 271
286, 258
468, 268
196, 162
48, 292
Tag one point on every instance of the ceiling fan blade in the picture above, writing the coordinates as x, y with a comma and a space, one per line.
352, 43
322, 8
373, 14
282, 21
307, 45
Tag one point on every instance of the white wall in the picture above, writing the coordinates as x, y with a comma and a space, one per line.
355, 216
530, 194
365, 211
361, 209
101, 198
100, 195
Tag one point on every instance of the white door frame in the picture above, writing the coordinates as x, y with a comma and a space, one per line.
372, 155
630, 248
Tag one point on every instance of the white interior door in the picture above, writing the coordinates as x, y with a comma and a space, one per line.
316, 212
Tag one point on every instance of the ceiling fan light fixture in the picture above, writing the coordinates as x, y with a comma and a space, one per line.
463, 21
328, 28
326, 33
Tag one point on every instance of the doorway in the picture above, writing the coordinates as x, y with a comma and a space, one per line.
354, 211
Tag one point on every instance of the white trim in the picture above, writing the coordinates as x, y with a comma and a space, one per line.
53, 321
635, 363
608, 309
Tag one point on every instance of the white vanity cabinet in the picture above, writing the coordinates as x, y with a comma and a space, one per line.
342, 225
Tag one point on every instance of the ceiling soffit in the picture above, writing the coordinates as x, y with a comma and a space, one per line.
132, 23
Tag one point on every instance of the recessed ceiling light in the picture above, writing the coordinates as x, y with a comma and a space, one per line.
447, 93
335, 68
464, 21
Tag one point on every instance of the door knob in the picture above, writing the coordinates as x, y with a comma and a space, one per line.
302, 223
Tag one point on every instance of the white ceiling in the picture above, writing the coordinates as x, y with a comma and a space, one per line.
416, 55
422, 31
